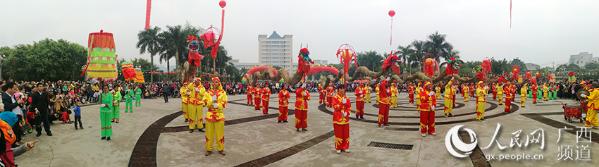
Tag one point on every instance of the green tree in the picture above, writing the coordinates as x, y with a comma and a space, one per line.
517, 61
417, 58
148, 42
591, 66
405, 53
437, 47
173, 43
371, 60
46, 59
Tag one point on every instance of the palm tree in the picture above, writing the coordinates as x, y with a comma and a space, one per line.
437, 47
148, 42
406, 52
417, 57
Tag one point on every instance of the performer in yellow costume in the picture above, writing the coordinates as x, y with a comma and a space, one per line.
499, 89
448, 98
592, 107
466, 92
481, 93
184, 97
196, 102
418, 89
545, 92
367, 94
523, 92
394, 94
215, 118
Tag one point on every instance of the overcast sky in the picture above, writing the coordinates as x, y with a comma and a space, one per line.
543, 31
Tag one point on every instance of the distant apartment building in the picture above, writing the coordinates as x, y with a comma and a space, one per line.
532, 66
276, 50
582, 59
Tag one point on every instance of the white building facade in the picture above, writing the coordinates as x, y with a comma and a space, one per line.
276, 50
582, 59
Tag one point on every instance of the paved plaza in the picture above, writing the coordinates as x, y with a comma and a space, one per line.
156, 135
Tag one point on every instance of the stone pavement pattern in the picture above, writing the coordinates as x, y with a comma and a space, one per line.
251, 138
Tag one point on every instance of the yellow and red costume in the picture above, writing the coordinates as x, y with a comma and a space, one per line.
184, 100
196, 102
427, 110
265, 93
411, 93
418, 90
523, 92
481, 93
330, 94
448, 98
321, 94
592, 108
301, 108
367, 91
249, 92
499, 92
341, 106
257, 98
394, 94
545, 92
283, 105
384, 93
215, 117
534, 89
508, 97
360, 92
466, 93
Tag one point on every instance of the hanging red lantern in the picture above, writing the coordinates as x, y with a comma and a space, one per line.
391, 13
222, 3
429, 67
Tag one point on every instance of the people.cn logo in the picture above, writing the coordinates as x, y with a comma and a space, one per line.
455, 146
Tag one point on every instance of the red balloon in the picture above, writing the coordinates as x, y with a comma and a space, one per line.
391, 13
222, 3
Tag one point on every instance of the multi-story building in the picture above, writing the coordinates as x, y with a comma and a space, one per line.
276, 50
582, 59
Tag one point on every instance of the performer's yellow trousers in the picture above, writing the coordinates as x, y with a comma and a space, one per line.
195, 115
466, 98
367, 98
393, 101
500, 99
215, 131
592, 118
184, 108
545, 95
448, 106
523, 101
480, 110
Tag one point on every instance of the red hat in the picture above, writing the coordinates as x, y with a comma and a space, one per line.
304, 51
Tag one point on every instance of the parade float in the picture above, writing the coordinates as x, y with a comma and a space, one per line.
102, 57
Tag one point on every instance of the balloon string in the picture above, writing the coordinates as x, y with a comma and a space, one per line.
391, 34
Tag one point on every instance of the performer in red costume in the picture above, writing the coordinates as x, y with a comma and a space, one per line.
427, 110
283, 104
360, 92
341, 106
265, 93
301, 107
249, 93
384, 94
330, 94
257, 100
